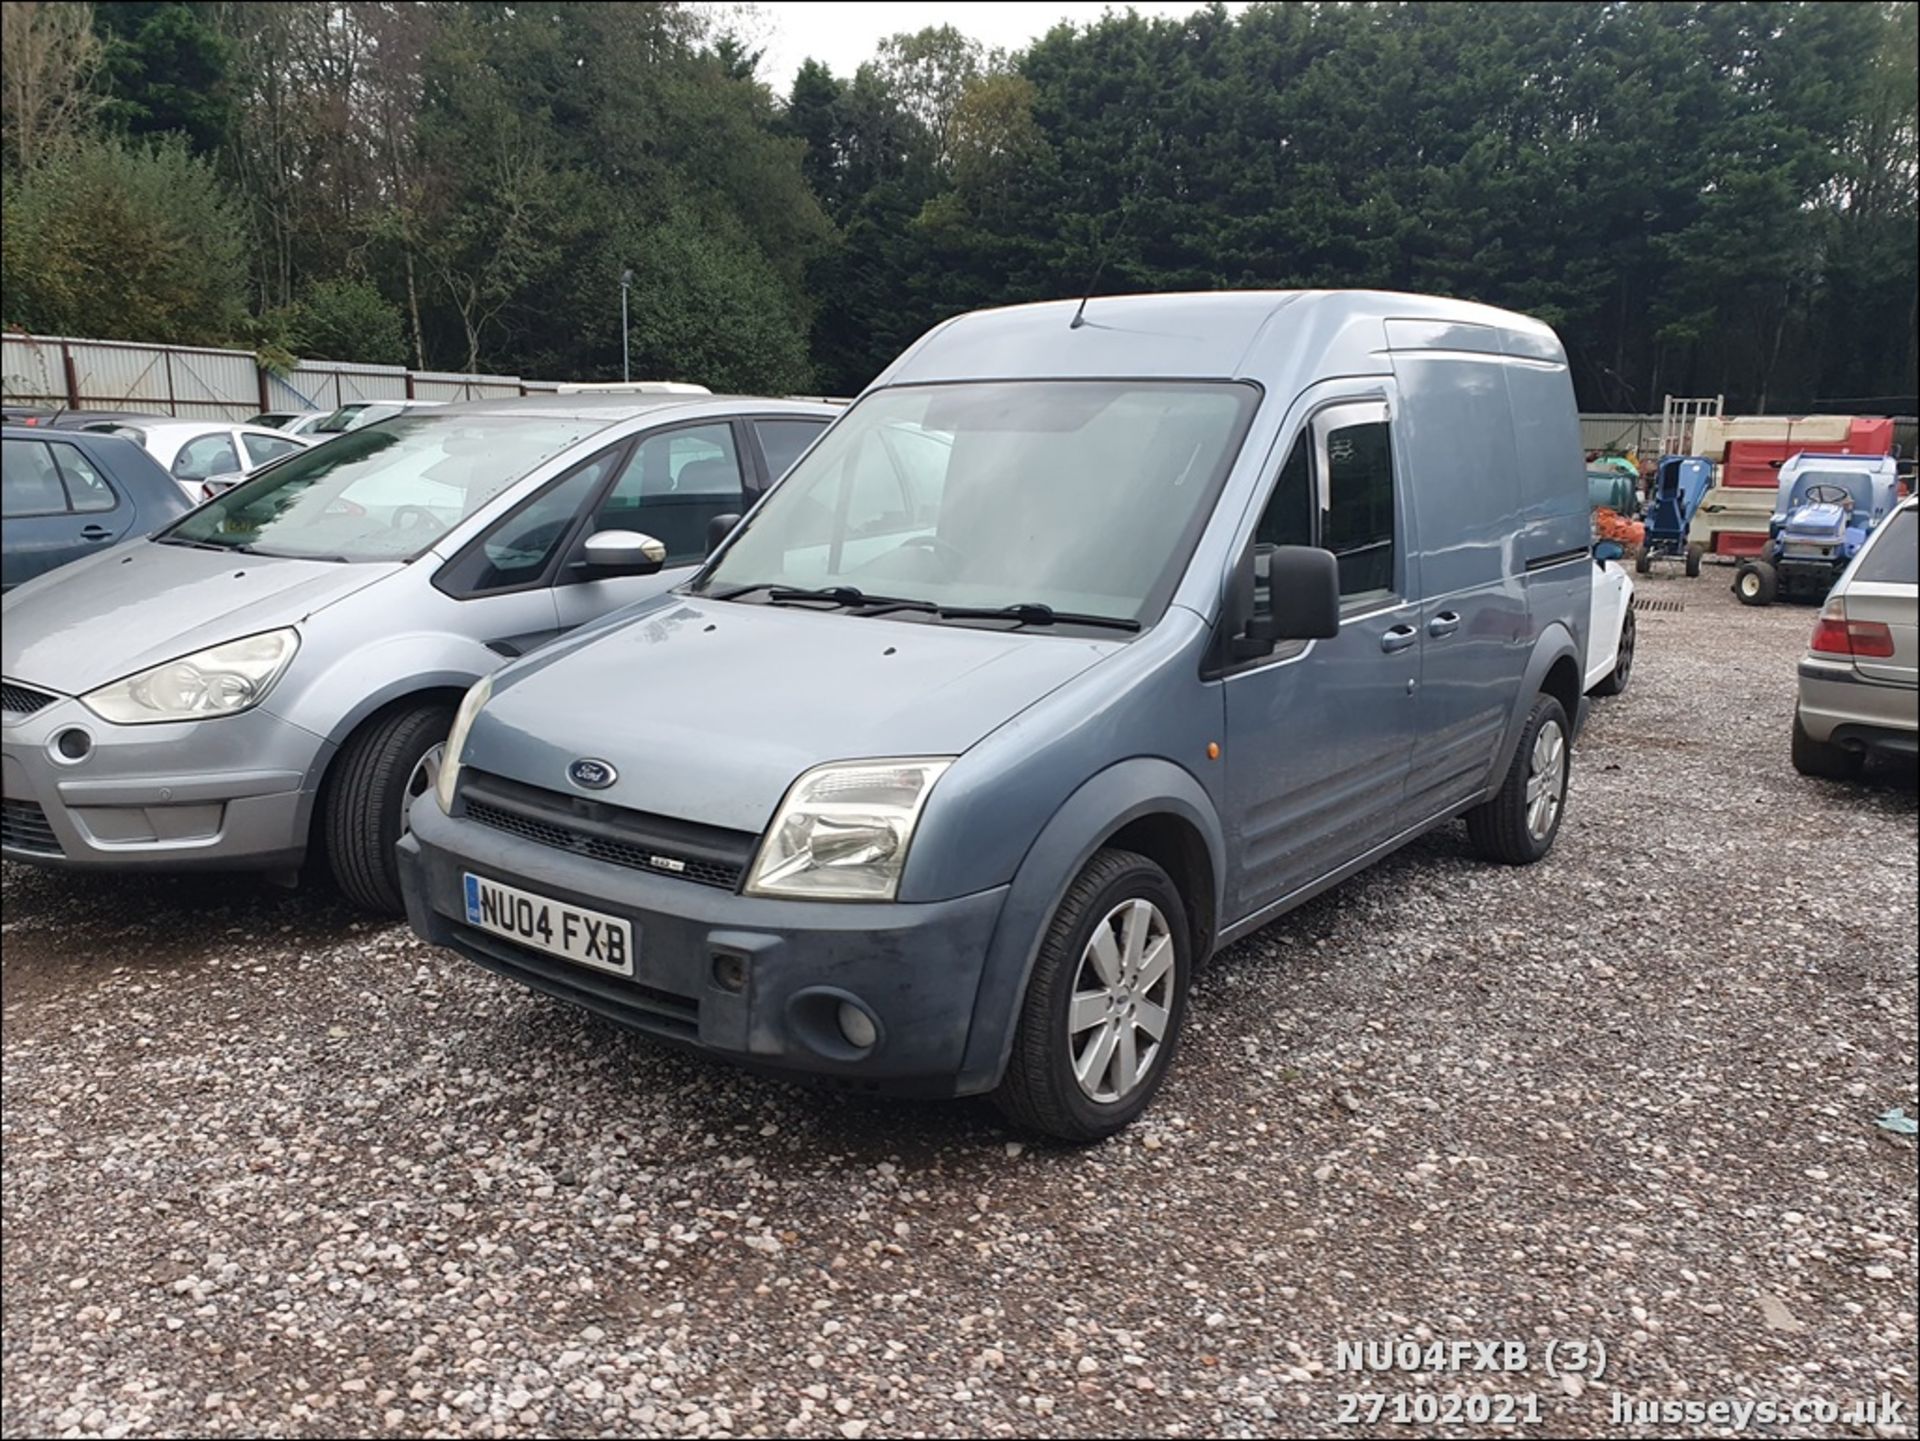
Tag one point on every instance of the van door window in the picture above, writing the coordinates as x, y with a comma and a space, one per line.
1356, 523
1288, 518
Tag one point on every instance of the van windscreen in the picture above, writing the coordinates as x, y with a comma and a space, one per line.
1082, 496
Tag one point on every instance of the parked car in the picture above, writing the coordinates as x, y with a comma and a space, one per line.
1610, 631
306, 422
365, 412
194, 451
65, 495
265, 682
946, 782
61, 418
1858, 679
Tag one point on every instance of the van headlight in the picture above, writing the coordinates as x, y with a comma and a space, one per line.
470, 704
842, 832
223, 679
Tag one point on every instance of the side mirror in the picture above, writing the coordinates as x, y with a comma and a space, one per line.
1303, 599
1303, 587
718, 529
622, 552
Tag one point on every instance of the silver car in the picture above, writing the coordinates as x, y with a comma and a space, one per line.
272, 677
1858, 691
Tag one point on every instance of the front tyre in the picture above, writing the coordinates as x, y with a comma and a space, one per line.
382, 769
1103, 1010
1517, 825
1694, 552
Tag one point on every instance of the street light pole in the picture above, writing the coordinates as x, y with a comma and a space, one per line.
626, 368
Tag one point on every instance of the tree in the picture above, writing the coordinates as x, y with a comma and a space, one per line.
811, 118
168, 65
49, 62
124, 240
347, 320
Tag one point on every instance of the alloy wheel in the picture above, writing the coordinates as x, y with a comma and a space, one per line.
1121, 1008
1546, 780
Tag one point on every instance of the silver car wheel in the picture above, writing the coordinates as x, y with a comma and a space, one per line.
1122, 1003
426, 775
1546, 780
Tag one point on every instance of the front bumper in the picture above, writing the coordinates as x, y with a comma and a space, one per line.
915, 969
1840, 706
221, 794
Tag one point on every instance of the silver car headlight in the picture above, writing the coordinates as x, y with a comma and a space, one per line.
470, 704
223, 679
842, 832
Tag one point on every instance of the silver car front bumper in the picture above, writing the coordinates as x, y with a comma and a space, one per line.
234, 792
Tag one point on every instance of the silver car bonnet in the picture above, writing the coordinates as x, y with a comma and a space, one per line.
709, 710
134, 606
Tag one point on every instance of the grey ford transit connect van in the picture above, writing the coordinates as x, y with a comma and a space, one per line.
1084, 643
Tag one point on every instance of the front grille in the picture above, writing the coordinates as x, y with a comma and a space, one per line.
644, 1008
20, 701
23, 825
705, 855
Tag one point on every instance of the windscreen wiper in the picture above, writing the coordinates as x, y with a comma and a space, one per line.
288, 555
848, 597
1033, 613
196, 544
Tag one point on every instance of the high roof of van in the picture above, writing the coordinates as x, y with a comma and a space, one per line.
1269, 336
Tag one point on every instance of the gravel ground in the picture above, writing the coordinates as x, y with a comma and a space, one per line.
272, 1171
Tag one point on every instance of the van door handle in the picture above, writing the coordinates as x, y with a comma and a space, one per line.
1399, 638
95, 532
1445, 623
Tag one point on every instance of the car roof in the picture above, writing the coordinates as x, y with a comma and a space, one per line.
77, 437
172, 425
611, 409
1271, 337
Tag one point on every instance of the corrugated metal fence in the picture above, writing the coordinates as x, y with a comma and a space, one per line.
185, 380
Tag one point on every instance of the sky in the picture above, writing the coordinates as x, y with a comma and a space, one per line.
845, 34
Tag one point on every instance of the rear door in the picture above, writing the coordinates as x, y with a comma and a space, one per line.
782, 439
102, 511
1883, 587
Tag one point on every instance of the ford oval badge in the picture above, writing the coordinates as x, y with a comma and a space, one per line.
590, 774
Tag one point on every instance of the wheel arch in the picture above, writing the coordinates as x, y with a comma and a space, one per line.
402, 693
1553, 669
1145, 804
